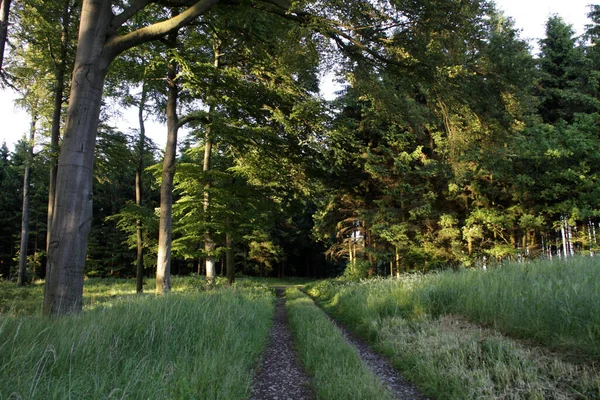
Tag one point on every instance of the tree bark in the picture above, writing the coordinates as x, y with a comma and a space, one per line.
209, 244
25, 210
4, 12
72, 216
138, 195
163, 266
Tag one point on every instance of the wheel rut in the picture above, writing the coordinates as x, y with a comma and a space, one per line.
281, 376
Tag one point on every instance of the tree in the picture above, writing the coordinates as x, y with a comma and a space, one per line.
26, 198
564, 90
99, 43
104, 34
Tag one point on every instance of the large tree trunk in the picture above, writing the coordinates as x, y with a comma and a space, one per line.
25, 211
99, 43
138, 195
163, 266
4, 11
59, 88
72, 217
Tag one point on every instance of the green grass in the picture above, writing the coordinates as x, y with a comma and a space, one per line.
193, 345
97, 292
424, 323
334, 365
556, 304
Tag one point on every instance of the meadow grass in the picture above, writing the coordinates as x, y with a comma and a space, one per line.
192, 345
424, 322
334, 365
98, 292
556, 304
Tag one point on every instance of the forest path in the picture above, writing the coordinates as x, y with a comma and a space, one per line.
397, 385
281, 376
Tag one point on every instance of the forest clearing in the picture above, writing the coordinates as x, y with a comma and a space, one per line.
538, 340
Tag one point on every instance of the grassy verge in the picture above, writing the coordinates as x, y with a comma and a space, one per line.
422, 323
557, 304
336, 369
199, 345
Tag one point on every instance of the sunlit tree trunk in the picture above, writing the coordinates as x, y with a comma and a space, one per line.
564, 237
25, 209
72, 215
209, 243
163, 267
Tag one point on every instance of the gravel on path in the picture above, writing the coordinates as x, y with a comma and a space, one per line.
280, 376
399, 387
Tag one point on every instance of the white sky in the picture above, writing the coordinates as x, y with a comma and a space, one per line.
529, 15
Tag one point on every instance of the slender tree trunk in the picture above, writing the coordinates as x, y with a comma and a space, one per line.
230, 261
4, 11
398, 265
72, 216
564, 237
139, 286
59, 88
209, 244
25, 211
163, 267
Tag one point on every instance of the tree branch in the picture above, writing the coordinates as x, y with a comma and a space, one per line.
329, 30
117, 44
129, 12
192, 118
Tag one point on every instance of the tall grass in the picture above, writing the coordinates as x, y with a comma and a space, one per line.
554, 303
424, 322
199, 345
334, 364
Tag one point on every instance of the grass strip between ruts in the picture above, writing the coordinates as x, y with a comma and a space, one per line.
336, 370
